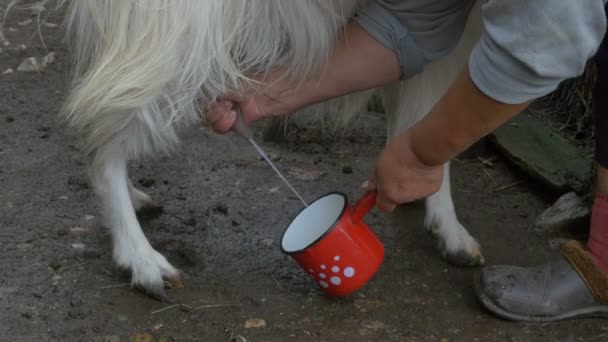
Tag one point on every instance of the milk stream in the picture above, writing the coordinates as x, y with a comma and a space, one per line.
265, 156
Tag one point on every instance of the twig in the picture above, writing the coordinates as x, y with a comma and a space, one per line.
73, 266
489, 176
505, 187
487, 162
170, 307
215, 306
112, 286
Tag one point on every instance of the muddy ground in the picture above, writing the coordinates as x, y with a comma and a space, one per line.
224, 212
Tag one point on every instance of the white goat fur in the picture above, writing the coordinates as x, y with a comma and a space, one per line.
140, 67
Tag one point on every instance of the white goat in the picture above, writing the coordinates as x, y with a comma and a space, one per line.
142, 66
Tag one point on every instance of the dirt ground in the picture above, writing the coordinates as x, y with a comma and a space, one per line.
224, 212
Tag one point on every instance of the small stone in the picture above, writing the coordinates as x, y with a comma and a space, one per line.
8, 71
29, 65
89, 217
255, 323
48, 60
78, 245
347, 170
25, 22
566, 212
79, 230
51, 25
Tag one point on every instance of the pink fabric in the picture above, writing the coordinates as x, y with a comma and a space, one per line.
598, 234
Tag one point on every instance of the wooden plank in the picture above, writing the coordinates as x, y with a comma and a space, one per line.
544, 154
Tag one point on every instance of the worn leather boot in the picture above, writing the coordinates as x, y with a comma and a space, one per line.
569, 286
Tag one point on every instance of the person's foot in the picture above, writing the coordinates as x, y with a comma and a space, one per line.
569, 286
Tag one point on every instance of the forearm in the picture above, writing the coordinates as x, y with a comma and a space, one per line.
462, 116
358, 63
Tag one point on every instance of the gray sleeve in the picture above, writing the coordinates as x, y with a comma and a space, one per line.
419, 31
529, 47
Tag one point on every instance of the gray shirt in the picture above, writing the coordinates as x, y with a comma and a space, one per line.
527, 47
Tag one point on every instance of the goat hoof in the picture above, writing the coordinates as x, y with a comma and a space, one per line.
464, 258
174, 282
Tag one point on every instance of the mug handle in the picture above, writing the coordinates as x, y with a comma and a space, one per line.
363, 206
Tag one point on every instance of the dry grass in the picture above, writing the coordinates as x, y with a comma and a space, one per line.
568, 109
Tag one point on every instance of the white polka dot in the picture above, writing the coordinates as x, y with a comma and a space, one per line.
323, 284
349, 272
323, 267
335, 280
322, 275
337, 258
335, 269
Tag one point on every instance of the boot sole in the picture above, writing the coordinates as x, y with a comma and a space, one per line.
591, 312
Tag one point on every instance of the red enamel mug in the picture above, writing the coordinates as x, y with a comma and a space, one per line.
332, 243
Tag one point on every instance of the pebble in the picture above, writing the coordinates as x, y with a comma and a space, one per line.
79, 230
566, 212
48, 60
8, 71
255, 323
29, 65
78, 245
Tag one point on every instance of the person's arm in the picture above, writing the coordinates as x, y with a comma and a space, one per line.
359, 62
526, 50
460, 118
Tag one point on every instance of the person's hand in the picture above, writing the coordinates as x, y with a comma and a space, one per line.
401, 177
272, 97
